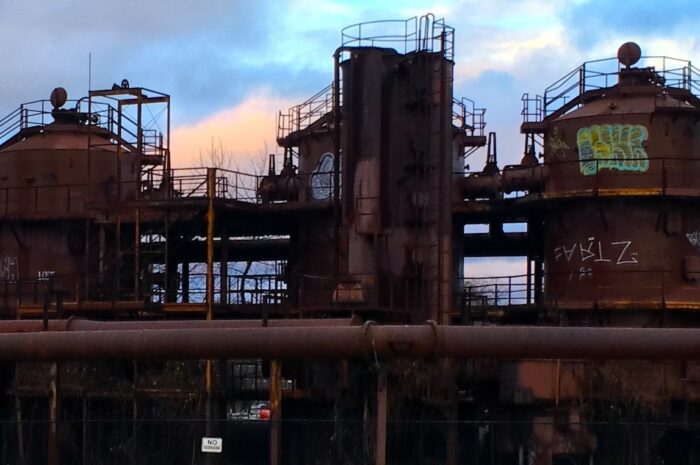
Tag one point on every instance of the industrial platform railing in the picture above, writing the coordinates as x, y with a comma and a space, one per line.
583, 284
405, 36
100, 115
601, 74
235, 293
301, 116
181, 184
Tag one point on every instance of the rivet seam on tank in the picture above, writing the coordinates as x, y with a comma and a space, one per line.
613, 147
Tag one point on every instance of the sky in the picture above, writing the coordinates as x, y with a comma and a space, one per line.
231, 65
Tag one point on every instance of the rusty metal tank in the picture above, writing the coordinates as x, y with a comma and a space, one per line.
395, 139
54, 177
622, 229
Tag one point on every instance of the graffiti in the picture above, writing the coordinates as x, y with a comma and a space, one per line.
613, 147
557, 147
8, 269
45, 275
596, 251
694, 239
583, 273
321, 182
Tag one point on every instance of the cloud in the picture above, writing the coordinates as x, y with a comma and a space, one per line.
177, 47
245, 132
593, 21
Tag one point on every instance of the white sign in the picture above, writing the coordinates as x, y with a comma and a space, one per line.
212, 445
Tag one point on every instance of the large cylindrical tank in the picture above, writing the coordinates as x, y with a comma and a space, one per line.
54, 180
59, 170
622, 230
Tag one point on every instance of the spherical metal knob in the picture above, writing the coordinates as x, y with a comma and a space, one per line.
58, 97
629, 53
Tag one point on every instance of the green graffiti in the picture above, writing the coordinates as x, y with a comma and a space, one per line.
612, 147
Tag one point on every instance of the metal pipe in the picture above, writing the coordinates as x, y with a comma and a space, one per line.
78, 324
499, 342
275, 411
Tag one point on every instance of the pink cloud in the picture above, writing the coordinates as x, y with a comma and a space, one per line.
244, 132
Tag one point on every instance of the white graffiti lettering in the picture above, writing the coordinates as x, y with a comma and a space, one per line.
624, 258
593, 250
694, 239
45, 275
568, 253
8, 269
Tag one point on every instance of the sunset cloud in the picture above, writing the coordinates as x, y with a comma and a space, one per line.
245, 131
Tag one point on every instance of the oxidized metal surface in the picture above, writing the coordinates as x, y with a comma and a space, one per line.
611, 244
349, 342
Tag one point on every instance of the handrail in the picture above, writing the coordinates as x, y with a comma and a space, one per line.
603, 73
404, 35
39, 113
301, 116
466, 116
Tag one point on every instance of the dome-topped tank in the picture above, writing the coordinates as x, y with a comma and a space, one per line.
622, 230
57, 164
55, 169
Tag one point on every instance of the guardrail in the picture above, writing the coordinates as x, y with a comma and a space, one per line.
604, 73
405, 36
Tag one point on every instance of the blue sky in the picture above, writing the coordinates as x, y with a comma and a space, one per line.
231, 64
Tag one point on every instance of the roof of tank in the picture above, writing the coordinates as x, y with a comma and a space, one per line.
60, 137
617, 103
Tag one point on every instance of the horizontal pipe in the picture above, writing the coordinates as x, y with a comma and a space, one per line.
80, 324
373, 341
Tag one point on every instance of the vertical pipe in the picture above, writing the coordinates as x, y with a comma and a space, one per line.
85, 430
380, 453
134, 408
211, 190
275, 411
336, 164
137, 255
52, 447
119, 153
223, 268
166, 259
116, 272
20, 433
558, 392
167, 153
86, 264
528, 279
139, 129
443, 312
211, 186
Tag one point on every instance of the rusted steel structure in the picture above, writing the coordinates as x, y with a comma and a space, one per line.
260, 281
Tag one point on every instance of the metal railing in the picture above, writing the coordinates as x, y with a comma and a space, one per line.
498, 291
583, 283
601, 74
38, 114
301, 116
405, 36
467, 117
